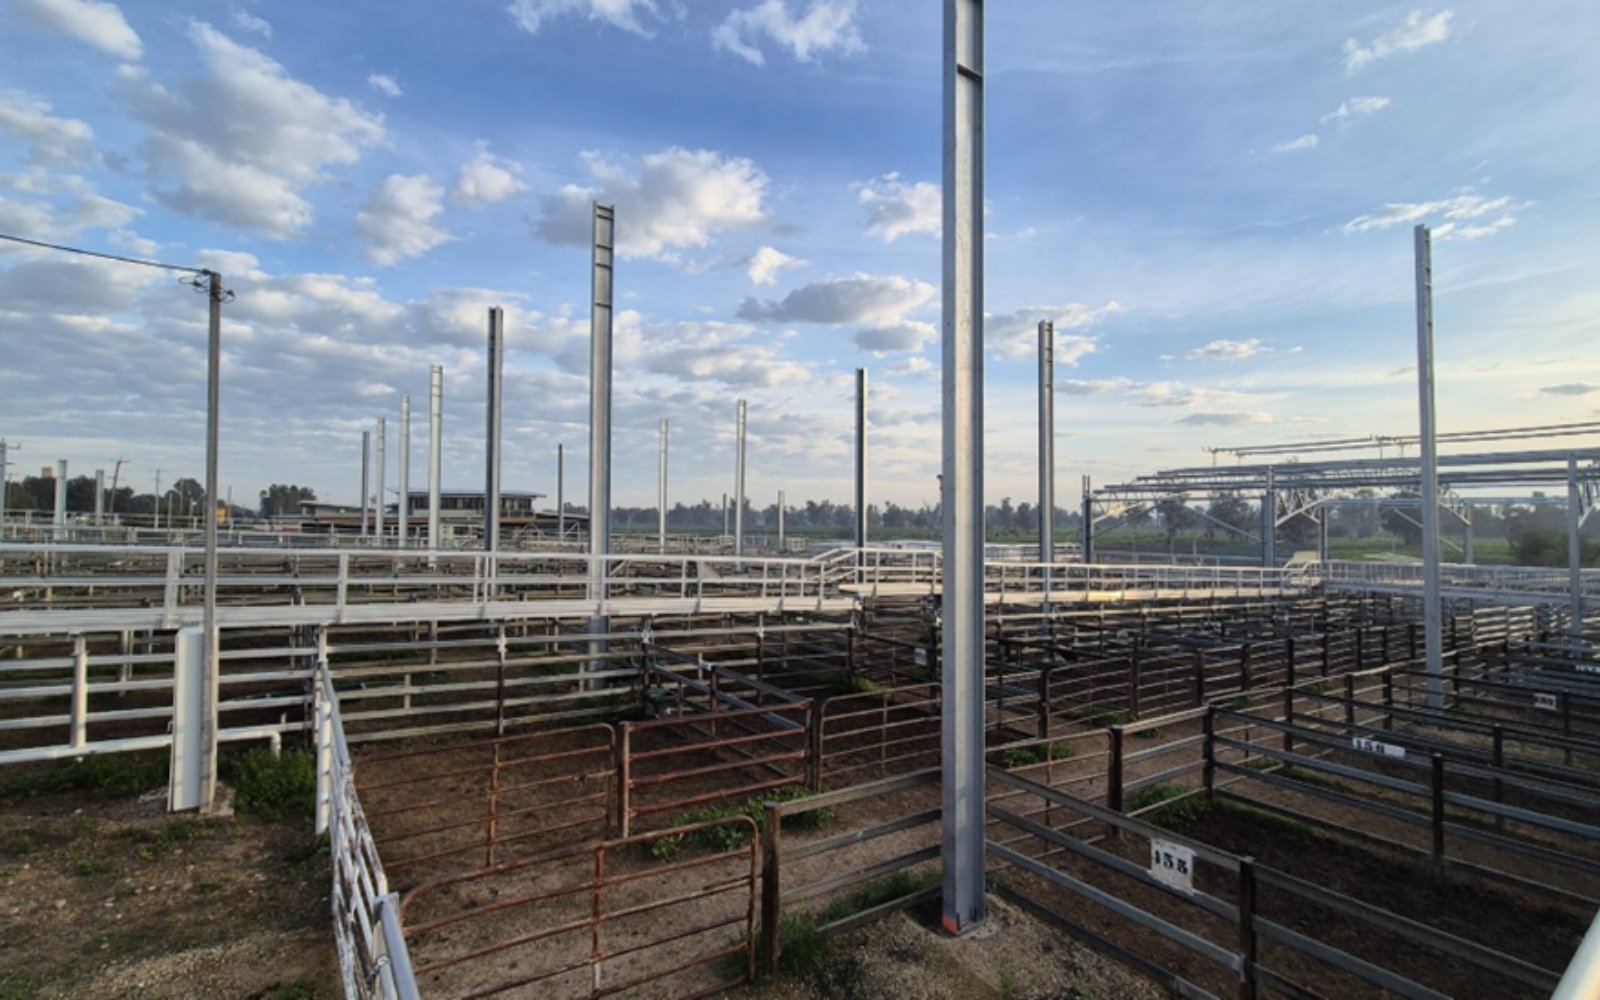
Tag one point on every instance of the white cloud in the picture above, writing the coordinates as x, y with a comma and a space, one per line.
1570, 389
42, 221
680, 198
384, 84
1460, 213
1015, 336
716, 352
899, 209
51, 140
99, 24
1151, 394
1415, 32
907, 336
486, 179
397, 221
1226, 350
1297, 145
866, 299
247, 21
826, 26
1356, 107
530, 15
915, 366
1235, 418
238, 144
767, 262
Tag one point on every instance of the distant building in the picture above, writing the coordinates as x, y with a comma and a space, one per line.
460, 515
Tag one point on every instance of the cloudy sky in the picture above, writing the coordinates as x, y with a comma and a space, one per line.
1213, 201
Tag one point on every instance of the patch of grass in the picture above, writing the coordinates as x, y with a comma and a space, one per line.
158, 842
114, 775
1100, 718
847, 682
882, 890
208, 888
1307, 776
806, 950
733, 835
89, 867
20, 985
1266, 817
295, 991
1175, 816
273, 788
21, 844
1016, 757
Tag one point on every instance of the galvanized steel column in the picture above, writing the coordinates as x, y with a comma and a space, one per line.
561, 492
861, 464
403, 511
1433, 627
962, 489
61, 497
601, 288
781, 547
435, 450
1269, 522
1575, 551
661, 491
366, 484
491, 436
738, 480
1088, 521
99, 497
383, 449
1047, 452
213, 663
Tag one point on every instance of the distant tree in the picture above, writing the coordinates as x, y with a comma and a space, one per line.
280, 499
1176, 516
1233, 511
1404, 521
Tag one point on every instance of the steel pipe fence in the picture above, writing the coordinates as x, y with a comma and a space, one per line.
373, 956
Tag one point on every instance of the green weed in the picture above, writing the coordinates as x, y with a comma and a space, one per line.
271, 787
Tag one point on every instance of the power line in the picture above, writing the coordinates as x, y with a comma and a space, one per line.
106, 256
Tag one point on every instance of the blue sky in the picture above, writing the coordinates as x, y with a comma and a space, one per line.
1212, 200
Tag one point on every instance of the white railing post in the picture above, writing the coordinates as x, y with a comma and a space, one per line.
80, 692
188, 730
169, 596
323, 713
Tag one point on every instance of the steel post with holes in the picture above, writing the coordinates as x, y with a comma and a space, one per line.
382, 477
861, 473
188, 679
435, 454
493, 385
738, 478
601, 291
964, 906
1047, 452
403, 510
60, 521
1430, 469
213, 658
1575, 553
661, 492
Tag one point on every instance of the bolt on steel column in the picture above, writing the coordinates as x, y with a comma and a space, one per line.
1428, 437
962, 488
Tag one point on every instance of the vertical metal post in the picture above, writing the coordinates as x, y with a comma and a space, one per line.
99, 497
1430, 470
782, 548
157, 521
1088, 521
962, 487
1467, 555
366, 484
1269, 521
208, 749
724, 515
435, 452
861, 467
738, 479
602, 281
1047, 454
188, 683
1322, 534
491, 435
382, 477
661, 491
561, 492
403, 511
5, 481
61, 497
1575, 551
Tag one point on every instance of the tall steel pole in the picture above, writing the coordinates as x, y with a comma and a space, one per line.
99, 497
661, 491
61, 497
403, 510
366, 484
1088, 521
1431, 609
782, 548
158, 500
724, 515
1269, 522
738, 478
208, 700
435, 451
5, 481
861, 466
602, 288
1047, 453
561, 492
491, 434
1575, 552
962, 351
383, 477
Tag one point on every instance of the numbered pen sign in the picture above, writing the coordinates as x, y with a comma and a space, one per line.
1544, 702
1173, 864
922, 657
1377, 746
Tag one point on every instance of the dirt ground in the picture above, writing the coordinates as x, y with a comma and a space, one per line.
109, 897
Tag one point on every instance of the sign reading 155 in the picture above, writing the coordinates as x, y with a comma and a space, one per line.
1173, 864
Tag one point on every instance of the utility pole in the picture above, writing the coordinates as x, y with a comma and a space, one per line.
403, 511
491, 436
1431, 597
861, 469
962, 733
738, 479
158, 500
561, 492
5, 480
366, 486
213, 656
435, 455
